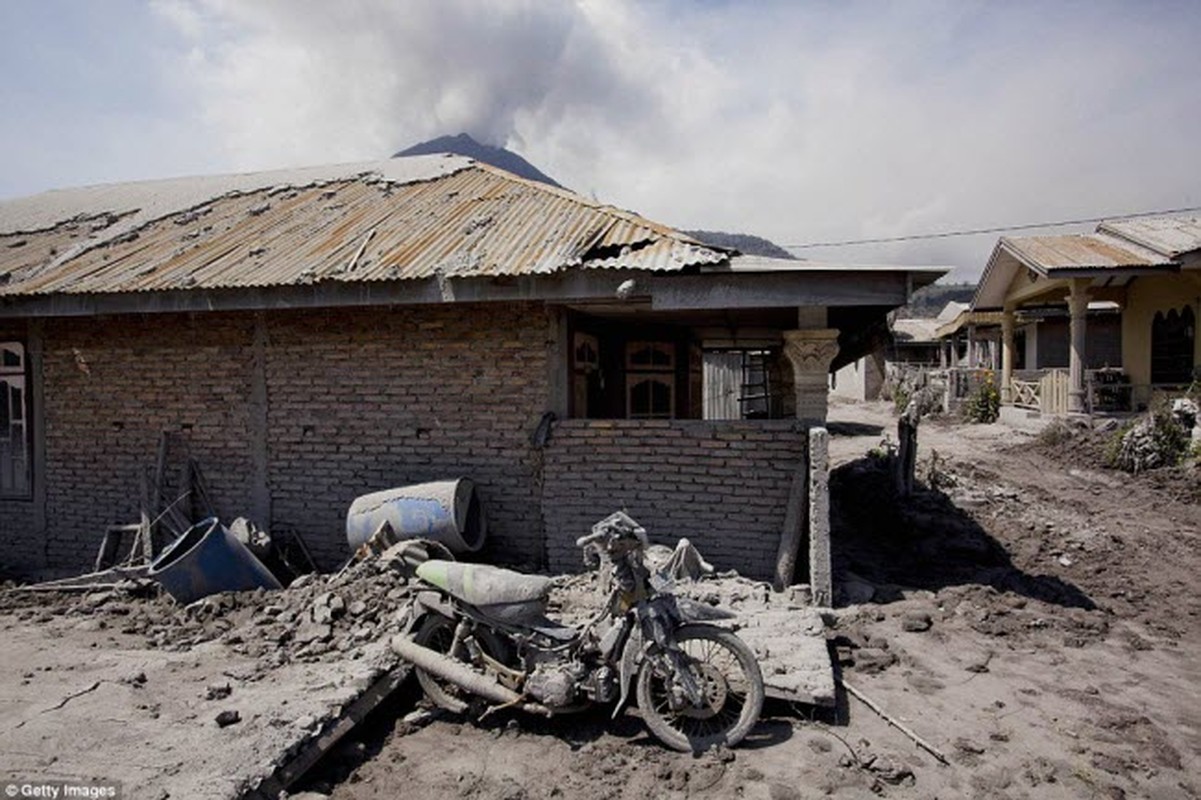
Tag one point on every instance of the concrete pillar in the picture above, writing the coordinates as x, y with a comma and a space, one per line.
260, 488
1007, 357
810, 353
973, 359
36, 408
821, 581
1078, 310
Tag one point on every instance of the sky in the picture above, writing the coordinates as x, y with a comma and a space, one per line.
799, 121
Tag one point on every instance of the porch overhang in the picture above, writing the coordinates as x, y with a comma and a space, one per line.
1050, 264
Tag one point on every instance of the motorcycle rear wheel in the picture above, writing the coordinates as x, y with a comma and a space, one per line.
437, 633
730, 678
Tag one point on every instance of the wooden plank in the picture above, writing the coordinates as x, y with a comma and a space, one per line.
147, 546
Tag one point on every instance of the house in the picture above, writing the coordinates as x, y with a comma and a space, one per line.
312, 335
912, 346
1097, 320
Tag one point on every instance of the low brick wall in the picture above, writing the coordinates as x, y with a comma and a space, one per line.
723, 485
22, 542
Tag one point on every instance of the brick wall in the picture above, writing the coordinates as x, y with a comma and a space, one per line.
356, 401
372, 398
111, 386
368, 400
723, 485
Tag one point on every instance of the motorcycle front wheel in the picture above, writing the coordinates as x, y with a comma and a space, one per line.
731, 682
437, 633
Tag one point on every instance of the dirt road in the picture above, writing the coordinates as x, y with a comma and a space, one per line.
1033, 617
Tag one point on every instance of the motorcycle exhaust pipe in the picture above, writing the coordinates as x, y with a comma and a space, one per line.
460, 674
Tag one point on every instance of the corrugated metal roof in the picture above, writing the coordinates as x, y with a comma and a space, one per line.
915, 329
1081, 251
1168, 236
390, 220
138, 202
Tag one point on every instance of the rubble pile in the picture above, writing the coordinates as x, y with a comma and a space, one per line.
785, 632
317, 618
321, 617
1157, 440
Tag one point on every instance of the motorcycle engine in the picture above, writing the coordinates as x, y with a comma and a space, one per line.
553, 686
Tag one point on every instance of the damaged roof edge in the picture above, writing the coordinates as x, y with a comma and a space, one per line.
664, 292
1109, 272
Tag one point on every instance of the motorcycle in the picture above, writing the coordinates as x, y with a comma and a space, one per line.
480, 635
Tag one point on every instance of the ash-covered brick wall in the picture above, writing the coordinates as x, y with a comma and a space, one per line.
723, 485
111, 386
367, 400
21, 542
357, 400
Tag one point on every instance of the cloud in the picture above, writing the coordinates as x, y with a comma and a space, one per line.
310, 80
801, 122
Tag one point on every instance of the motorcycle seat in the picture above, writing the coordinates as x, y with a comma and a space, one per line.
482, 585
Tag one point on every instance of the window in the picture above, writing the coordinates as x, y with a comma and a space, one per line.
587, 379
14, 422
650, 380
1172, 336
738, 384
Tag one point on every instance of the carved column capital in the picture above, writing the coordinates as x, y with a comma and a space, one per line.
810, 353
811, 350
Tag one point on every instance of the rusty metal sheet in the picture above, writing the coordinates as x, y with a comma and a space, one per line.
472, 221
1083, 251
1168, 236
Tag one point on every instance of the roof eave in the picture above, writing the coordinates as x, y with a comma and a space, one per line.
665, 291
1127, 271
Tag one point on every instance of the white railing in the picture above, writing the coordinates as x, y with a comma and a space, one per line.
1024, 394
1047, 393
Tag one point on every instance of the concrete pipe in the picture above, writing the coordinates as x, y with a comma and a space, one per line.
448, 512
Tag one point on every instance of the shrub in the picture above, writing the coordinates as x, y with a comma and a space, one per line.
984, 404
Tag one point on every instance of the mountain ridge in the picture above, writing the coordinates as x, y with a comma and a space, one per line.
464, 145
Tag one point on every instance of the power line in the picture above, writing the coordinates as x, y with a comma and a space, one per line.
999, 229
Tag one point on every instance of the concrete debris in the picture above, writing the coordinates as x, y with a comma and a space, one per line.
227, 718
916, 622
214, 691
1159, 439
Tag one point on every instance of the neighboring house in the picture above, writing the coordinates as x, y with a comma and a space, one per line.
1117, 308
911, 344
312, 335
967, 339
914, 341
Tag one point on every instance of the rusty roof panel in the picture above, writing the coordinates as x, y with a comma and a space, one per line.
1168, 236
1081, 251
467, 222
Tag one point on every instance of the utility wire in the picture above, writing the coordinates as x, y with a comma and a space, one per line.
999, 229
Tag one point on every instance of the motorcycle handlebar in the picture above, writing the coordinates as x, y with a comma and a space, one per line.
584, 541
